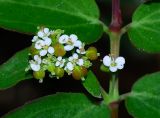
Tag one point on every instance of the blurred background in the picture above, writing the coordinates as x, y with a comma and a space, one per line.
137, 64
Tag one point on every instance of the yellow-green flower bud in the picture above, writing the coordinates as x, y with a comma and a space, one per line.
59, 50
79, 72
39, 74
59, 72
51, 68
91, 53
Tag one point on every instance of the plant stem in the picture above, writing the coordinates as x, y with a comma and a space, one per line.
115, 35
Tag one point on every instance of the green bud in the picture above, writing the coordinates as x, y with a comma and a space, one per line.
56, 35
51, 68
79, 72
59, 72
91, 53
33, 50
104, 68
59, 50
39, 74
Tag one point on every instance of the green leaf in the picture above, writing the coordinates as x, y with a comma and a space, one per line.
144, 101
61, 105
80, 17
13, 70
92, 85
145, 28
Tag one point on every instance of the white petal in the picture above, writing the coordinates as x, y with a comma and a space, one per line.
73, 37
37, 59
70, 58
68, 47
78, 44
61, 65
120, 60
63, 39
80, 62
80, 52
43, 52
59, 58
51, 50
46, 30
40, 34
39, 44
58, 63
63, 60
47, 41
75, 56
35, 38
69, 66
35, 67
113, 68
107, 61
120, 66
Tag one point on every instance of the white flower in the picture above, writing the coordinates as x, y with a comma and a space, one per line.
47, 41
114, 64
51, 50
69, 66
35, 64
43, 52
75, 60
60, 62
37, 58
44, 33
81, 49
70, 41
35, 38
39, 44
63, 39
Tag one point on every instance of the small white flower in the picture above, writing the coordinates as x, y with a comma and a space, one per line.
39, 44
63, 39
47, 41
60, 62
37, 58
43, 52
51, 50
35, 67
35, 38
81, 49
43, 33
69, 66
35, 64
70, 41
74, 59
114, 64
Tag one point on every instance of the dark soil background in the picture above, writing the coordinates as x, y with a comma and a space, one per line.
137, 64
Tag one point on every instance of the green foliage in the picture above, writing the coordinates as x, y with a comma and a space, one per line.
92, 85
145, 28
13, 70
145, 97
80, 17
61, 105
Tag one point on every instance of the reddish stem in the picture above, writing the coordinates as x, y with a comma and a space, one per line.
114, 109
116, 22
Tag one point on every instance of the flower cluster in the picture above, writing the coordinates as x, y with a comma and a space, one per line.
57, 53
113, 63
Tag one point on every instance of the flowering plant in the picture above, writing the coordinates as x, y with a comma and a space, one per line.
65, 29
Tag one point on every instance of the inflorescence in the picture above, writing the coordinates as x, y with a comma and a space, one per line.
54, 52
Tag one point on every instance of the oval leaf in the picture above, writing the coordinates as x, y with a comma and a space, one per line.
92, 85
61, 105
145, 28
144, 101
80, 17
13, 70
